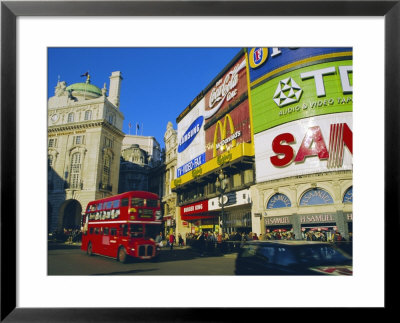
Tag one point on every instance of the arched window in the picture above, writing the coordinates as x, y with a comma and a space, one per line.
88, 115
348, 196
75, 178
71, 117
316, 196
278, 200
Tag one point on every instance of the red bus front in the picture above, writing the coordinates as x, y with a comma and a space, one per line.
123, 225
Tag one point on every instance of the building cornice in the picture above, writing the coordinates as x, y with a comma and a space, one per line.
76, 126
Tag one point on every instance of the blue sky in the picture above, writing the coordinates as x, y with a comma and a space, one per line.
158, 83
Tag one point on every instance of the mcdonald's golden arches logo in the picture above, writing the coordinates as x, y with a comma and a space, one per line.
221, 128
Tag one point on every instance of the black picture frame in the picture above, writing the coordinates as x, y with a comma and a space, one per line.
10, 10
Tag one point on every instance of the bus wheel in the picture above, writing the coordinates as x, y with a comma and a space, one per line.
89, 249
122, 256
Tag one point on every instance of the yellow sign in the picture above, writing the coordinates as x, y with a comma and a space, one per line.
242, 149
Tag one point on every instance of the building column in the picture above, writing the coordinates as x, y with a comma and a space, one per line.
295, 220
342, 225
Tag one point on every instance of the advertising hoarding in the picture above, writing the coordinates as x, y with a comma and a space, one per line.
226, 121
228, 132
266, 63
191, 140
307, 146
227, 112
226, 91
305, 92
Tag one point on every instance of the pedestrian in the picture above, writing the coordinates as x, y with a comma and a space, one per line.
255, 236
202, 242
159, 239
180, 240
171, 240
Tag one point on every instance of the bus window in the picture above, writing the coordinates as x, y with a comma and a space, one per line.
136, 230
124, 230
152, 231
89, 208
91, 230
152, 203
125, 202
96, 230
113, 231
108, 205
136, 201
116, 204
105, 231
99, 206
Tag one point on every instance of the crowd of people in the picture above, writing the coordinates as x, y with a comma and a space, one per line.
330, 236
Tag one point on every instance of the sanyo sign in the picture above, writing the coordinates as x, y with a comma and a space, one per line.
306, 146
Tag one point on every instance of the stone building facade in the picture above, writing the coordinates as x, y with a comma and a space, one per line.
84, 148
141, 159
169, 198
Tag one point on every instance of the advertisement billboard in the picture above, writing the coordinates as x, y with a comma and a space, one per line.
226, 91
266, 63
307, 146
227, 114
324, 88
228, 132
191, 140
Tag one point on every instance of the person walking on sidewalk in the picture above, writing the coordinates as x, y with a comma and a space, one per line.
180, 240
171, 240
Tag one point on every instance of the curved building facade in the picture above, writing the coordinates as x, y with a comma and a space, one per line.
301, 103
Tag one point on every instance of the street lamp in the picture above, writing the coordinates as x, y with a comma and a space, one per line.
221, 184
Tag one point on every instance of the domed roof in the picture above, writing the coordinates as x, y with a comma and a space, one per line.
85, 87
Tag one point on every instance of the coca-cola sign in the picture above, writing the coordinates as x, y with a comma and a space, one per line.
227, 88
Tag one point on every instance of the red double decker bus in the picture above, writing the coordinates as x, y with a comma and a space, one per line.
122, 225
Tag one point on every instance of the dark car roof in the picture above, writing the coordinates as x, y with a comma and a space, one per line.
287, 242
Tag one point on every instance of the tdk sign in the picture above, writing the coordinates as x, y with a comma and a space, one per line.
190, 134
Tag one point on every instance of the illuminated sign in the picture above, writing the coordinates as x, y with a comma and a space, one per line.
191, 165
224, 90
258, 56
313, 144
221, 130
191, 144
190, 134
306, 92
306, 146
195, 208
267, 63
228, 132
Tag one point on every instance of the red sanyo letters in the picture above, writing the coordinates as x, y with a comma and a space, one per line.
313, 144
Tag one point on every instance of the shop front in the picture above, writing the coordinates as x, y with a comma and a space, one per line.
320, 226
278, 227
197, 218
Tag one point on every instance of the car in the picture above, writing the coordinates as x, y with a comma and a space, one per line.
292, 257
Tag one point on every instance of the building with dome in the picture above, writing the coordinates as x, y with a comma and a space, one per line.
84, 148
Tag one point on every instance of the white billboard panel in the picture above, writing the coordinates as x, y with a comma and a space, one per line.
191, 140
306, 146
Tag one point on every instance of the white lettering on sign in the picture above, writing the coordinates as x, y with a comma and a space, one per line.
229, 139
192, 208
190, 134
317, 218
318, 76
224, 89
274, 221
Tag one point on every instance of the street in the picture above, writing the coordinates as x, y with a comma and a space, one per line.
71, 260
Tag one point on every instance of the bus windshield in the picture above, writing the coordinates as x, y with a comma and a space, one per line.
152, 203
